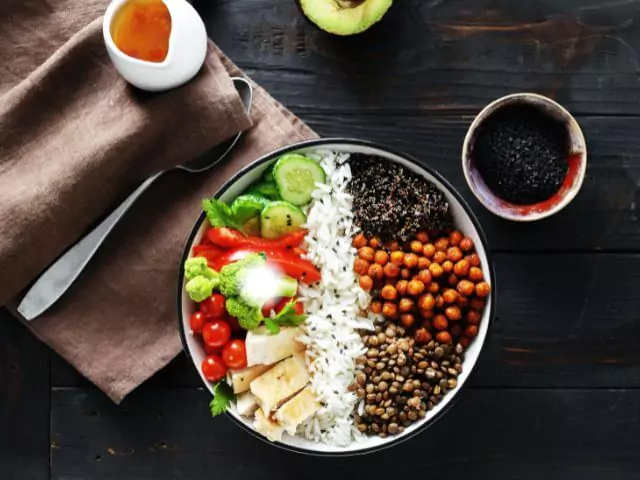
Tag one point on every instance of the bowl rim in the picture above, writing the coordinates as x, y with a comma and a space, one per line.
572, 126
392, 441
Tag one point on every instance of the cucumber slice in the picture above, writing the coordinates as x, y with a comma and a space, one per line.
246, 207
279, 218
296, 177
265, 190
267, 175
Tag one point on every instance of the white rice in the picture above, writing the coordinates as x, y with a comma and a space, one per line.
334, 306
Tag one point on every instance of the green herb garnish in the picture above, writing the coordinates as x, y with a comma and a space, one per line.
285, 317
222, 396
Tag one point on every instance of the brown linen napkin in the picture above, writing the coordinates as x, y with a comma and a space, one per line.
74, 140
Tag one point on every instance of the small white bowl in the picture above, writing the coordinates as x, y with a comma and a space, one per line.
463, 218
187, 49
573, 180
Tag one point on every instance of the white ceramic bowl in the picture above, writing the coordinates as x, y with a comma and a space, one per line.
187, 49
573, 180
464, 219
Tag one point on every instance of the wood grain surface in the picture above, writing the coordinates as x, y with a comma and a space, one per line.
557, 391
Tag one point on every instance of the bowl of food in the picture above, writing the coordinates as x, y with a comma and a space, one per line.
524, 157
335, 296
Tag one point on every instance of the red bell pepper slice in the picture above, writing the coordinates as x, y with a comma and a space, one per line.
282, 259
230, 238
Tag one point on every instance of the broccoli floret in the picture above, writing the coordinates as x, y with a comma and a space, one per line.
234, 274
250, 280
200, 288
198, 267
249, 317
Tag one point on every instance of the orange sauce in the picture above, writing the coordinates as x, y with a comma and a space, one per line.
141, 29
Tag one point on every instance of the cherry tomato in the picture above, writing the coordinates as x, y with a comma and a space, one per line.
299, 308
233, 324
216, 333
213, 307
197, 321
213, 368
234, 354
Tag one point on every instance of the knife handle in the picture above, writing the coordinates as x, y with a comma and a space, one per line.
55, 281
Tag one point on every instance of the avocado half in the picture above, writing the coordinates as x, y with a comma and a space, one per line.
344, 17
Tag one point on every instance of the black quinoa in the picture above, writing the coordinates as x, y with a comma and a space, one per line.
522, 154
392, 202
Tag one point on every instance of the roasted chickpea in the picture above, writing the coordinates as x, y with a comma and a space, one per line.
407, 320
410, 260
427, 314
475, 274
415, 287
463, 302
375, 271
477, 304
375, 306
473, 317
454, 254
366, 253
434, 287
465, 287
405, 305
359, 241
375, 242
416, 246
405, 273
447, 266
442, 243
381, 257
366, 283
471, 331
439, 257
435, 270
439, 301
422, 336
389, 292
455, 238
466, 244
474, 260
455, 330
391, 270
440, 322
389, 309
393, 246
483, 289
444, 337
450, 295
397, 257
422, 237
453, 313
452, 280
429, 250
360, 266
465, 341
461, 269
401, 287
424, 276
426, 302
423, 262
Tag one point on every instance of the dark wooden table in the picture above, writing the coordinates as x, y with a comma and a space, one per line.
557, 394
